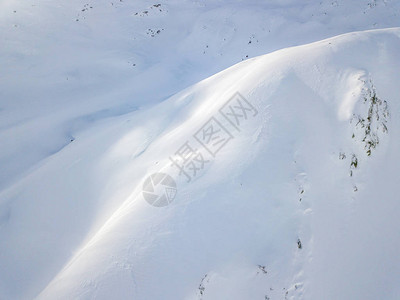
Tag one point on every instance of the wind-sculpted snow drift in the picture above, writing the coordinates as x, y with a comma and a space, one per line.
297, 200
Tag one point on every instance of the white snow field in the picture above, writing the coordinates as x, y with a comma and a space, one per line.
288, 187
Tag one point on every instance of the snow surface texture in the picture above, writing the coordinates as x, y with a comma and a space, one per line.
300, 203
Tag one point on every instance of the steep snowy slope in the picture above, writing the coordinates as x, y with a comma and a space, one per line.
64, 65
295, 197
288, 201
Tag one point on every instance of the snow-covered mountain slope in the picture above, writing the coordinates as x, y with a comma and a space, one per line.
296, 196
64, 65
